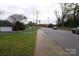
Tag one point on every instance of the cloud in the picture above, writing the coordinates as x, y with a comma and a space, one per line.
45, 8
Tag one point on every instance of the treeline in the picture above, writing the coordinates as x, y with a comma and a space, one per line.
69, 15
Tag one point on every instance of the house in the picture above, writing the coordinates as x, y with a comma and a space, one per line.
5, 26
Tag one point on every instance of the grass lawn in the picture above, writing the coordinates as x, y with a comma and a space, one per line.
18, 43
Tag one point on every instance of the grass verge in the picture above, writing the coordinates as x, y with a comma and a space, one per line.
18, 43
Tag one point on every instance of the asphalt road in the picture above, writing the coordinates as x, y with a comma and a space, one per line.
67, 40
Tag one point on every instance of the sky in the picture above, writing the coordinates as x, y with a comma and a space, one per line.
46, 9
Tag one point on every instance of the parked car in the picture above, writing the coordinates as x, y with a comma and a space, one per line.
75, 30
55, 27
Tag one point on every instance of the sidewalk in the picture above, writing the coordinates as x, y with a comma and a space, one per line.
44, 47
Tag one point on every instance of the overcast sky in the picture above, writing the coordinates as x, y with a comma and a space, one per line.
45, 8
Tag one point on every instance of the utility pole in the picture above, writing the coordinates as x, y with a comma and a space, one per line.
37, 18
39, 21
48, 20
33, 17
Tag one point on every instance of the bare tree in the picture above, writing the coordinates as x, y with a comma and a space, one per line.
58, 17
16, 17
67, 9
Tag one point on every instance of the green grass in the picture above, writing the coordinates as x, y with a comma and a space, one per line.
18, 43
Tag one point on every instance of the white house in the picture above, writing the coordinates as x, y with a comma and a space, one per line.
5, 26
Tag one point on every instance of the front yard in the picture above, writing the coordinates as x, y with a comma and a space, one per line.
18, 43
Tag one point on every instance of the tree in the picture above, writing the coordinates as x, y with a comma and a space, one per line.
67, 9
31, 23
76, 14
16, 17
50, 25
70, 12
19, 26
58, 18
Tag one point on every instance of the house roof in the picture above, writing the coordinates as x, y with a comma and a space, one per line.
5, 23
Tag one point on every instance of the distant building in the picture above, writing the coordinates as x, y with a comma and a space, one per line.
5, 26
